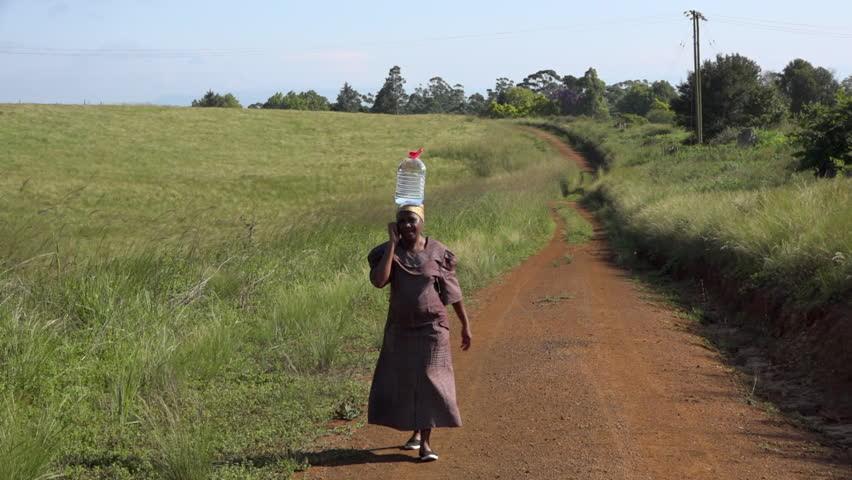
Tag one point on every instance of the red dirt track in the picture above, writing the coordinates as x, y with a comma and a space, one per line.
575, 373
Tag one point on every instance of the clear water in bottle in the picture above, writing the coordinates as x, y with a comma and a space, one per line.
411, 180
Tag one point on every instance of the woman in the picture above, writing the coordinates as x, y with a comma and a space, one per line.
413, 385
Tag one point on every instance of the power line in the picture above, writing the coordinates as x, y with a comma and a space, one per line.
162, 53
711, 38
840, 29
812, 33
776, 27
223, 52
677, 54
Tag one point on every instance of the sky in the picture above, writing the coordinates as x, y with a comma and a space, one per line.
169, 52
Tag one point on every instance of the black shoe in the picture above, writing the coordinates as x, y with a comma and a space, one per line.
428, 456
412, 444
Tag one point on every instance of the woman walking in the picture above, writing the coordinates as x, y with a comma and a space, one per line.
413, 386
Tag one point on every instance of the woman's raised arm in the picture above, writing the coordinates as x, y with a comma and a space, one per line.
380, 274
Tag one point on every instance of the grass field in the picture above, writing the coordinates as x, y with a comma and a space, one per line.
183, 292
109, 176
744, 212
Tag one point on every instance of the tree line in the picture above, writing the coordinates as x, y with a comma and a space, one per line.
736, 93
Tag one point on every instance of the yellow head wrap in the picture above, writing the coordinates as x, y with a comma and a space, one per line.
415, 209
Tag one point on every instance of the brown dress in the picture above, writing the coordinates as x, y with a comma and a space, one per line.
413, 386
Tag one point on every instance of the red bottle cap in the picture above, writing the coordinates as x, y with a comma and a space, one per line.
415, 154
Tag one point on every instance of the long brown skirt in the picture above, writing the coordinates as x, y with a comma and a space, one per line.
414, 385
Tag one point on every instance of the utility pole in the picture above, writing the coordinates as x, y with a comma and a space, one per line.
696, 17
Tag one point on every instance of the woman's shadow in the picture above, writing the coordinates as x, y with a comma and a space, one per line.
336, 457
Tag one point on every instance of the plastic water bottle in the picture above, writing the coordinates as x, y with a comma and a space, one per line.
411, 180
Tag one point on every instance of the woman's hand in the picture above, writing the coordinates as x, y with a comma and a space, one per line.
466, 338
462, 314
381, 273
393, 233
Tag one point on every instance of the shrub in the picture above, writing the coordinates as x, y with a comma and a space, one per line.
825, 137
773, 138
638, 99
503, 110
728, 135
654, 131
309, 100
658, 115
521, 102
625, 120
805, 84
732, 96
213, 99
743, 212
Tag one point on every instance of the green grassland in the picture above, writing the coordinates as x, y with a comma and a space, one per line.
184, 294
742, 211
118, 175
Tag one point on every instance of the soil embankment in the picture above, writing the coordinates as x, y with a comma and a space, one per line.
575, 372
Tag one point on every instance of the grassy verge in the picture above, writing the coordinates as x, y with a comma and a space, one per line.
755, 253
184, 294
742, 212
577, 229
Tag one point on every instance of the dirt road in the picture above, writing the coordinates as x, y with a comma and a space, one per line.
576, 373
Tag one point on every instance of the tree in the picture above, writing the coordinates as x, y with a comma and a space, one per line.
277, 100
309, 100
437, 97
213, 99
498, 94
660, 115
825, 137
638, 100
639, 97
476, 105
441, 97
568, 97
391, 97
846, 84
456, 99
521, 102
348, 100
663, 91
230, 101
545, 82
732, 96
592, 102
615, 92
803, 84
210, 99
770, 78
368, 100
417, 102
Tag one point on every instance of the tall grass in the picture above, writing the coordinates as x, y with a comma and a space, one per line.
249, 318
490, 154
29, 439
743, 211
181, 446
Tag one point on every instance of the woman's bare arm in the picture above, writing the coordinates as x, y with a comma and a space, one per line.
465, 321
380, 275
